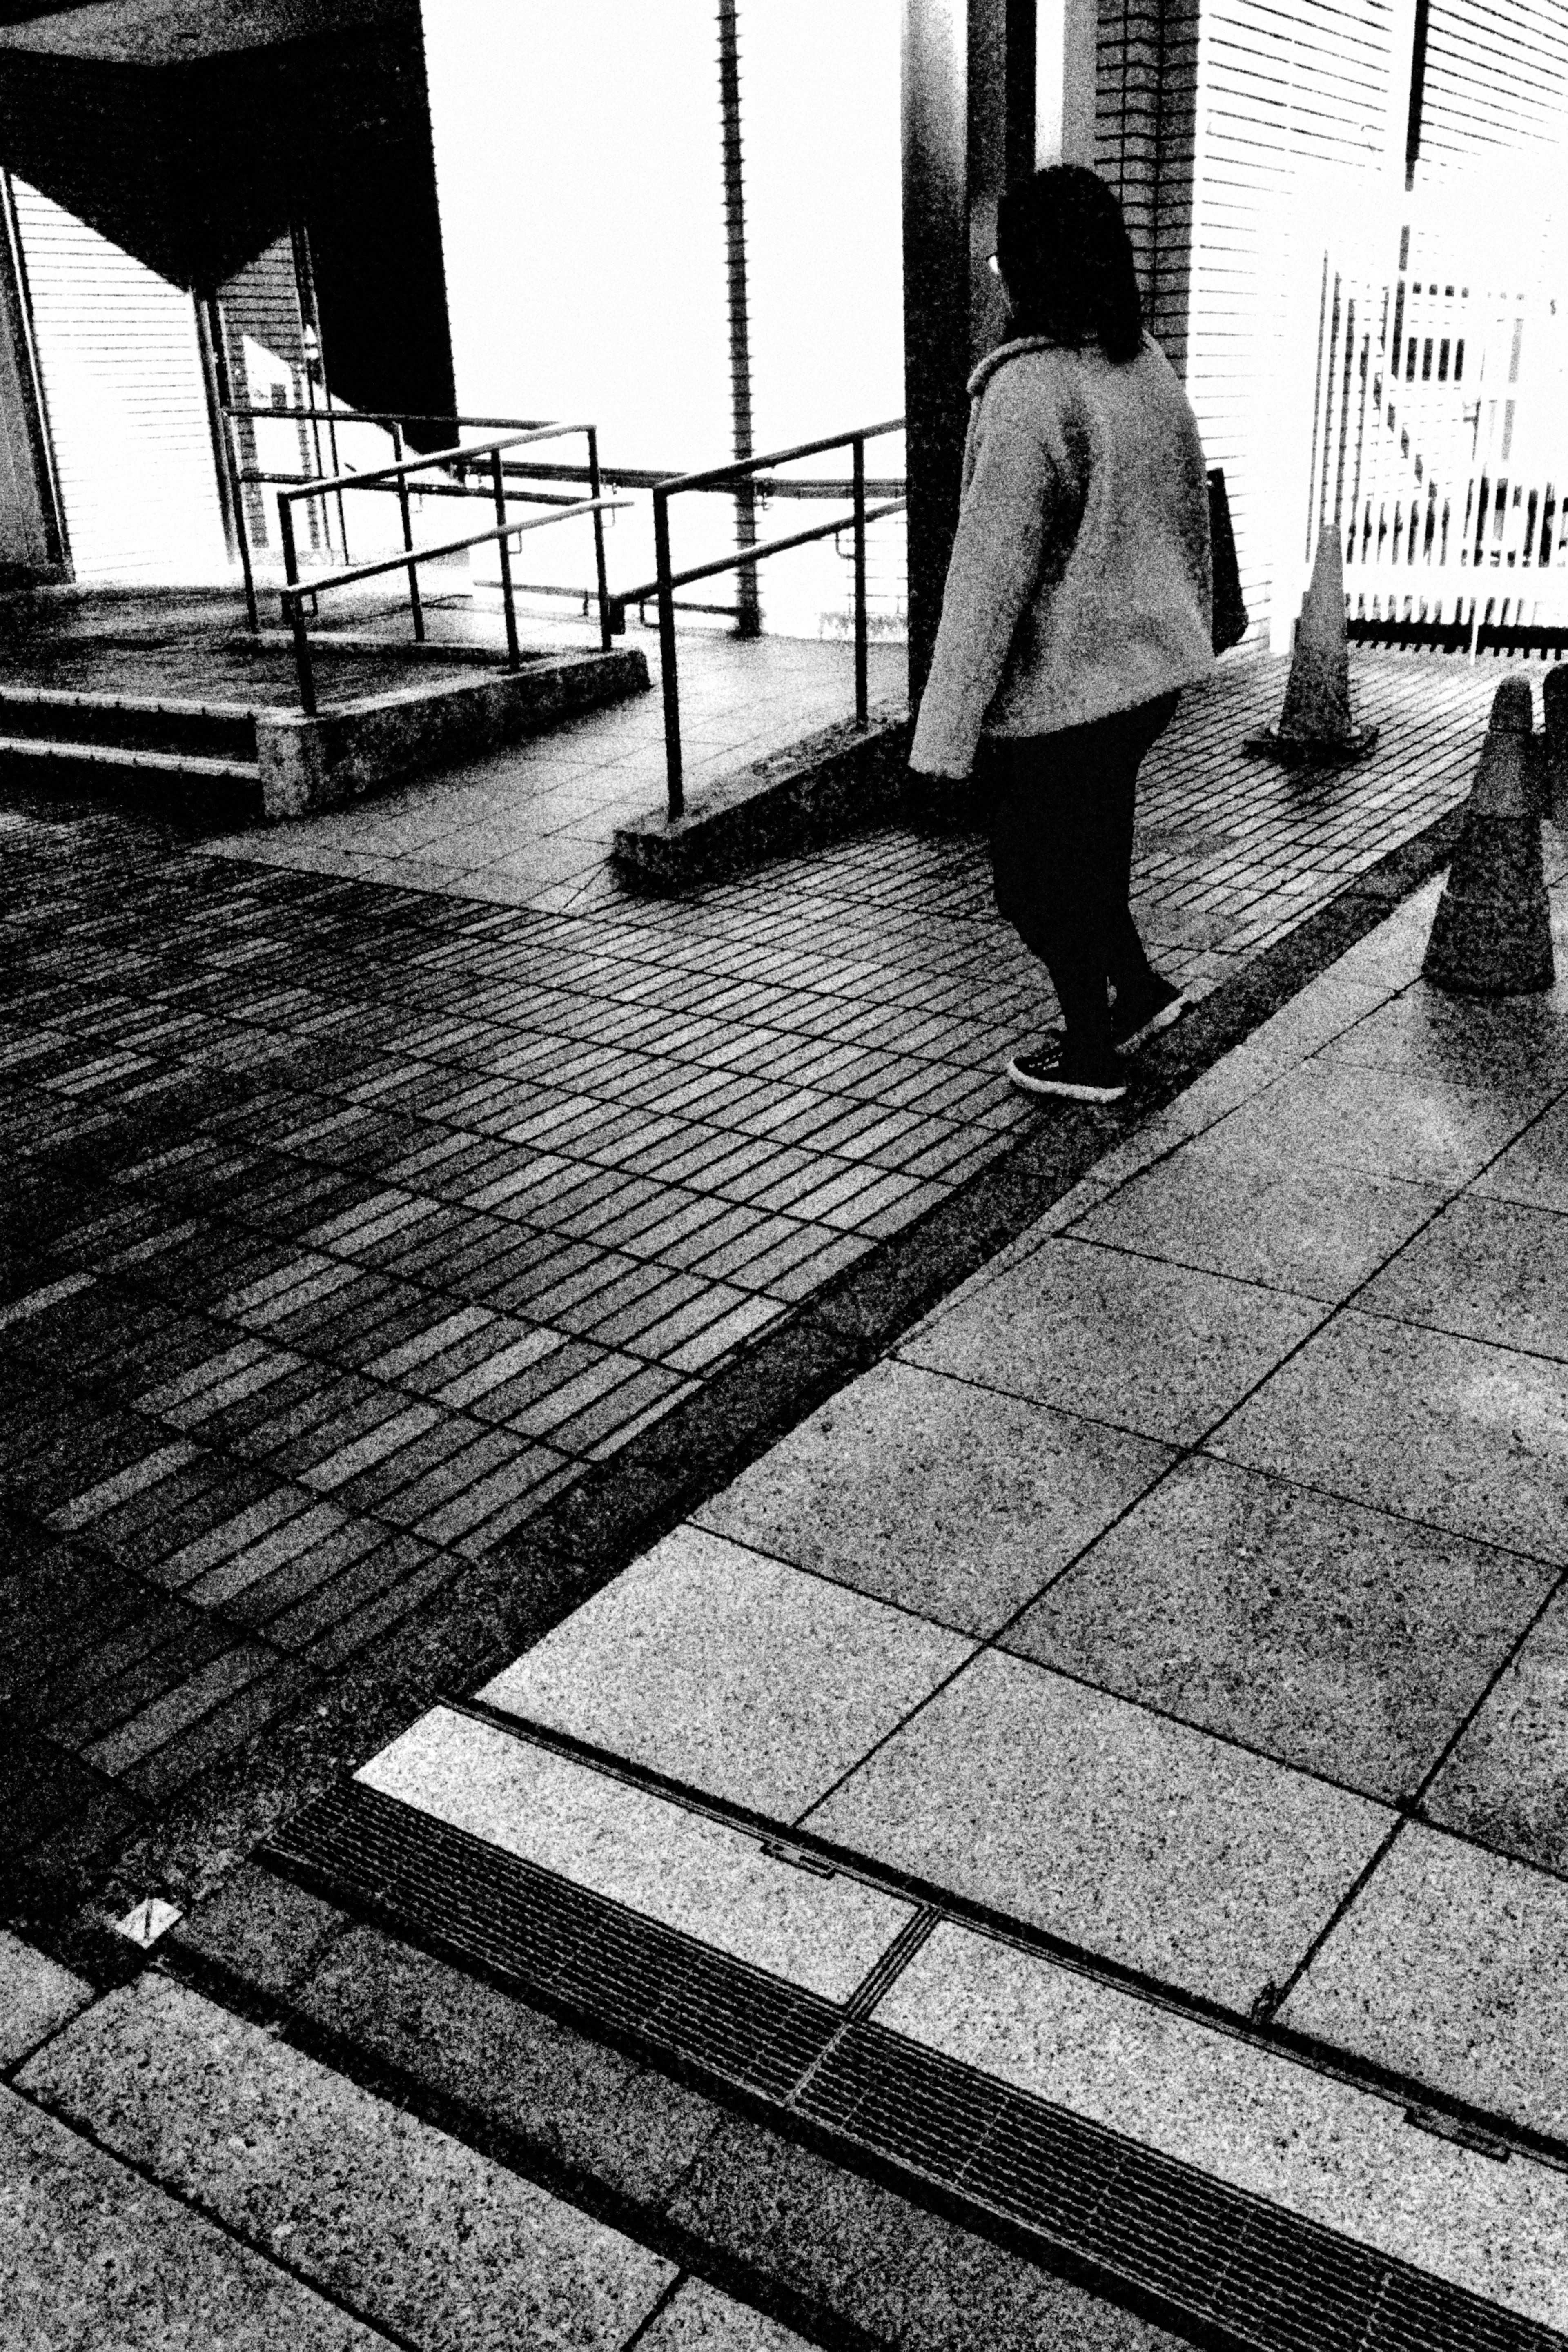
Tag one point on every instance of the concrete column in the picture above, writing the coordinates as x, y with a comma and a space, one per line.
1066, 44
31, 529
969, 71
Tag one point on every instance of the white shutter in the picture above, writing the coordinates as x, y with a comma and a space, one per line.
1286, 98
126, 404
1496, 83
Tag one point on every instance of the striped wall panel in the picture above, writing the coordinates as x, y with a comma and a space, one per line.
1311, 90
126, 404
1496, 81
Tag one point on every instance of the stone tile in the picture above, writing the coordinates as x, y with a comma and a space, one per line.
1451, 1966
1329, 1007
1413, 1129
656, 1858
1467, 1437
1396, 950
1221, 1204
697, 2318
1160, 1349
1144, 1841
1339, 1640
37, 1997
95, 2257
1489, 1269
868, 2266
406, 2226
265, 1930
581, 2104
1535, 1169
731, 1672
1518, 1043
1251, 2118
947, 1498
1506, 1782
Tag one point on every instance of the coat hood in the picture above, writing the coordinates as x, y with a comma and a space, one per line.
1002, 354
1017, 349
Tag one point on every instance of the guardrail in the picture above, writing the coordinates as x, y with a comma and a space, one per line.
298, 592
391, 479
666, 581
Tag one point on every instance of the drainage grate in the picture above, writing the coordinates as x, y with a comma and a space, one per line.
1262, 2276
577, 1950
1239, 2269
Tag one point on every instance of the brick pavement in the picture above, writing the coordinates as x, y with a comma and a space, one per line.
350, 1225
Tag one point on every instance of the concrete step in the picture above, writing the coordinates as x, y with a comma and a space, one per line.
214, 730
226, 790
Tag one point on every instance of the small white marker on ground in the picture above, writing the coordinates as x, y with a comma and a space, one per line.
148, 1921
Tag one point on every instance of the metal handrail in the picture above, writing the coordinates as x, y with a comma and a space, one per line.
322, 486
666, 580
395, 478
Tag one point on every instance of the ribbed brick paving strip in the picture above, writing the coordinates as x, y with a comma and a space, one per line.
245, 1109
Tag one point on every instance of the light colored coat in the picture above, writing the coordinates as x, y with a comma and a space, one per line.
1081, 578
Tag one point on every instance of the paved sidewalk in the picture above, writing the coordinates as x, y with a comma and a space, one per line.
351, 1225
356, 1224
171, 2176
1167, 1640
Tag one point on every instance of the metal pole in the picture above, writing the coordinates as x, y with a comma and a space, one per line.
666, 654
751, 619
861, 696
968, 127
513, 657
294, 602
252, 610
595, 491
414, 605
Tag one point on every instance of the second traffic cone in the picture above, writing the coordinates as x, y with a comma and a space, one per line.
1315, 725
1555, 719
1491, 935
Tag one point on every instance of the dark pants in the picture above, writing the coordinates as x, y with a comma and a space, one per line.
1061, 856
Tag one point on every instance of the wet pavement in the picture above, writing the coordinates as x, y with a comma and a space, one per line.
382, 1186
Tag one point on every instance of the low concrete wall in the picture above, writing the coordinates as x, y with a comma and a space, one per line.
329, 760
817, 789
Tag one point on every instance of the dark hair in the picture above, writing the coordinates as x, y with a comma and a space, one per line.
1063, 247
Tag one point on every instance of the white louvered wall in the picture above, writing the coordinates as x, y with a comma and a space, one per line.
126, 404
1286, 99
1497, 82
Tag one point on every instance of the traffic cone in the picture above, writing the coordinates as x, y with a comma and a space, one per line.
1491, 935
1315, 726
1554, 719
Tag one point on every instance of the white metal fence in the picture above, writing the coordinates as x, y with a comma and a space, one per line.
1440, 427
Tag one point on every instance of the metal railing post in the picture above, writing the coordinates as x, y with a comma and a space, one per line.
513, 657
862, 700
667, 678
295, 602
595, 491
241, 522
415, 603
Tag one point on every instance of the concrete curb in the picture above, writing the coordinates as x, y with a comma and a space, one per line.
327, 761
795, 798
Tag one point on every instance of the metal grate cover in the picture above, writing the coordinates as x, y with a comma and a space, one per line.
578, 1950
1239, 2269
1261, 2275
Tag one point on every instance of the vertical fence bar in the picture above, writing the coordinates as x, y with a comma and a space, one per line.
513, 658
666, 654
241, 522
862, 697
594, 491
415, 604
294, 600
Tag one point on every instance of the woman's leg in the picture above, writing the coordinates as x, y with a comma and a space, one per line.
1128, 967
1047, 854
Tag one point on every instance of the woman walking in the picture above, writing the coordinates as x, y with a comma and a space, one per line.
1077, 606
